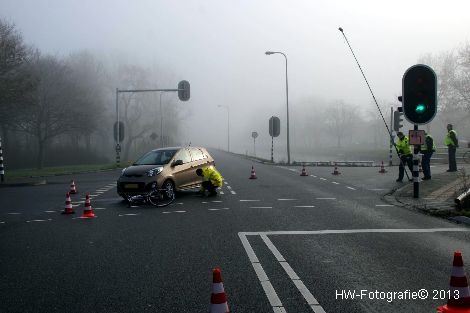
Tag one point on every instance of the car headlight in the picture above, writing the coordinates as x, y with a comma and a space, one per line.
154, 171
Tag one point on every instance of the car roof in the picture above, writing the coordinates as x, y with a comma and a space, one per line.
177, 148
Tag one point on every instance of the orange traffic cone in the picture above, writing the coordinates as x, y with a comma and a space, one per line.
382, 168
304, 171
68, 205
73, 190
336, 172
459, 294
218, 297
88, 211
253, 174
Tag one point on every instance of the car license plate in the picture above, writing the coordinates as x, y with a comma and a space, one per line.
131, 186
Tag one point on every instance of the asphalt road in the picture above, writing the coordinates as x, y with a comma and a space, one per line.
284, 243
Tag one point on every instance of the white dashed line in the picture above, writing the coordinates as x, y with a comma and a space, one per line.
304, 206
249, 200
2, 222
129, 214
333, 182
221, 192
225, 183
350, 188
14, 213
233, 192
32, 221
314, 176
228, 187
219, 209
216, 201
383, 205
50, 211
326, 198
261, 207
94, 195
167, 212
322, 178
99, 192
99, 208
286, 199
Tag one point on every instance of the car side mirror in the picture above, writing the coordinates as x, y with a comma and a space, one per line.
177, 162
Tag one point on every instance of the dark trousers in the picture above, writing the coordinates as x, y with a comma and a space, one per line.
207, 185
405, 160
426, 164
452, 161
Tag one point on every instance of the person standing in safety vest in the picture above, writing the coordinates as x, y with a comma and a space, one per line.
452, 144
427, 150
211, 180
404, 152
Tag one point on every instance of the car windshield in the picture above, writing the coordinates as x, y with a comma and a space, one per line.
156, 157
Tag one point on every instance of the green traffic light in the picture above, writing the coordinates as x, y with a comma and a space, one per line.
420, 108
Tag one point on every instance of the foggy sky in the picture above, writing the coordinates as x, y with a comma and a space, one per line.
218, 46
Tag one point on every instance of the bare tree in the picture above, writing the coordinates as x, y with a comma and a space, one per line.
340, 120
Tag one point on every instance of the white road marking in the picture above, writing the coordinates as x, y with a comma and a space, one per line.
94, 195
333, 182
31, 221
261, 207
50, 211
179, 203
75, 205
228, 187
129, 214
2, 222
314, 176
233, 192
322, 178
221, 192
216, 201
286, 199
350, 188
99, 192
309, 298
249, 200
261, 274
304, 206
383, 205
99, 208
219, 209
78, 202
225, 182
82, 217
14, 213
326, 198
180, 211
167, 212
102, 189
377, 189
292, 170
204, 202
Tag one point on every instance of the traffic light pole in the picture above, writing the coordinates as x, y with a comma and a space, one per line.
415, 169
390, 155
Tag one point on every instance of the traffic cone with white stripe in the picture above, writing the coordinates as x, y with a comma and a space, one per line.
73, 190
253, 174
218, 298
336, 172
459, 293
382, 168
88, 211
68, 205
304, 171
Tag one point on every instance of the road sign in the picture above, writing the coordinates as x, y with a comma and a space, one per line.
274, 126
121, 131
417, 137
183, 90
419, 94
254, 135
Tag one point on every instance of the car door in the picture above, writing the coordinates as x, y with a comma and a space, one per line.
183, 173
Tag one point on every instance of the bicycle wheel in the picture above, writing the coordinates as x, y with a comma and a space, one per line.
466, 157
161, 197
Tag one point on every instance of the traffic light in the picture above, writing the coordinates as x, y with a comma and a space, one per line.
183, 90
419, 94
397, 119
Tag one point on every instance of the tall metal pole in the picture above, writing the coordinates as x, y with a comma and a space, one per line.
118, 150
287, 102
228, 129
416, 169
161, 121
390, 155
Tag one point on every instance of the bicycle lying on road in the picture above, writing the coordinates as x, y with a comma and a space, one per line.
156, 196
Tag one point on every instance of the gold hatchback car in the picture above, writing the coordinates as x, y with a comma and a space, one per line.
172, 169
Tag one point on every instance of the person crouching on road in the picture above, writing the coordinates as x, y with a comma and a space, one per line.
211, 180
452, 144
427, 150
404, 152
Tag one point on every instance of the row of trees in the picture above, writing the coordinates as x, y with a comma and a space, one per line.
64, 107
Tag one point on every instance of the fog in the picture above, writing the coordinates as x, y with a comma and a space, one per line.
219, 47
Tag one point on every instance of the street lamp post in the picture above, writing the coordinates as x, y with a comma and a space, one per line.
228, 124
287, 102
